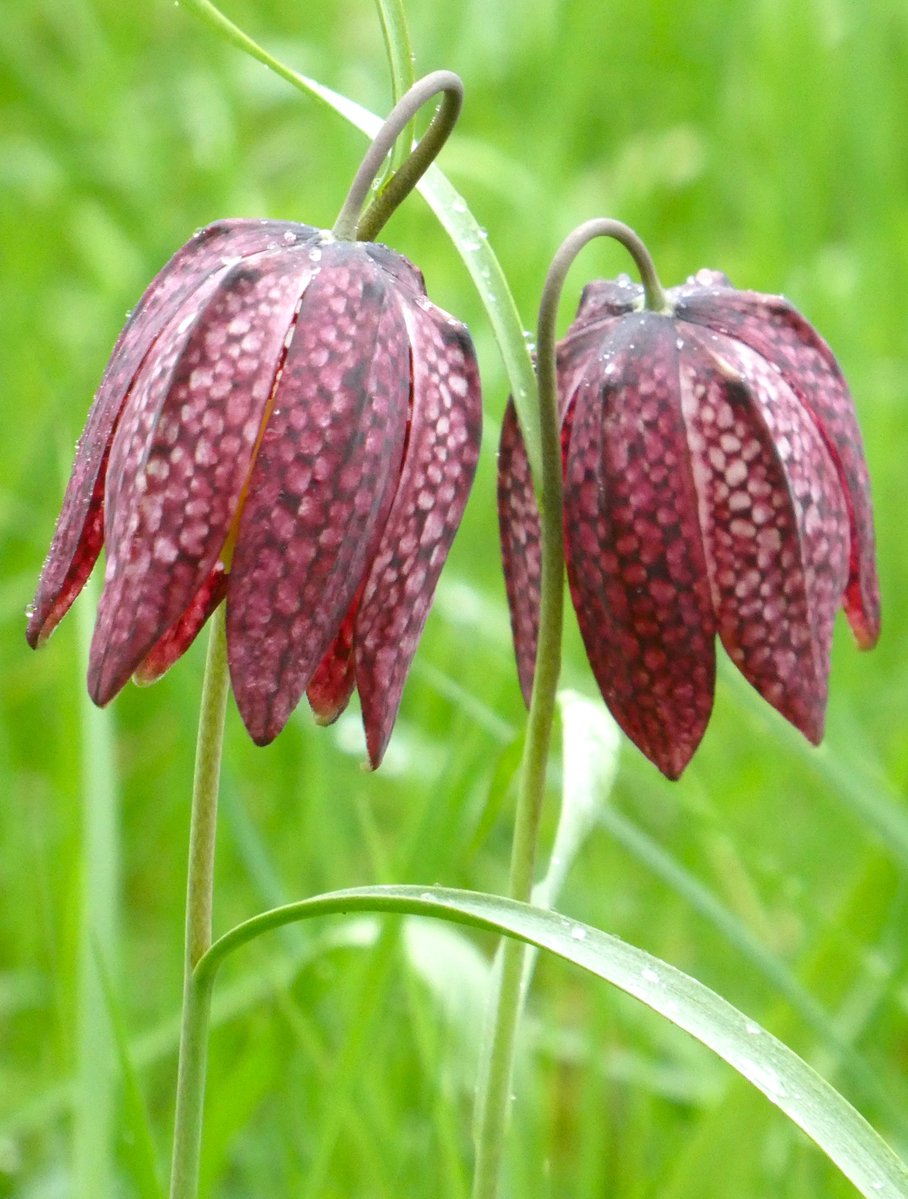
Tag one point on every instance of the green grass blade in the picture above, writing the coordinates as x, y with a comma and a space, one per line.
96, 1083
142, 1155
396, 35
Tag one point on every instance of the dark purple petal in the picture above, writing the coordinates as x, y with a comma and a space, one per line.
180, 636
776, 331
518, 520
440, 462
181, 455
334, 680
634, 550
518, 515
774, 521
79, 533
321, 486
604, 299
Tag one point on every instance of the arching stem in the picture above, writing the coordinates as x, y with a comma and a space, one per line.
349, 225
494, 1097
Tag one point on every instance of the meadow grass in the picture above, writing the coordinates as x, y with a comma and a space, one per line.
764, 139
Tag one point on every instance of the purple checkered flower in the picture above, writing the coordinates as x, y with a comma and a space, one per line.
288, 424
715, 484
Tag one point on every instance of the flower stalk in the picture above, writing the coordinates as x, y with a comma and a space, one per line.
495, 1088
187, 1136
350, 225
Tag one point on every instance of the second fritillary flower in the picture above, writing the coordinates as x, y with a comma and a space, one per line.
714, 485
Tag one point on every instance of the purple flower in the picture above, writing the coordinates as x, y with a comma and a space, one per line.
286, 422
714, 484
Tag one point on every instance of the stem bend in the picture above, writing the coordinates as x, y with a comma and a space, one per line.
349, 225
654, 293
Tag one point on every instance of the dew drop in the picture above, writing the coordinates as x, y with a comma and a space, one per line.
459, 205
315, 254
752, 1030
29, 611
427, 896
648, 974
578, 933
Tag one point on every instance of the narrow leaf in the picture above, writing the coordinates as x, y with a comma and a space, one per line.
784, 1078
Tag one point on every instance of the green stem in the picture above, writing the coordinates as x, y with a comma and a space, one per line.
349, 224
493, 1105
653, 292
187, 1133
495, 1088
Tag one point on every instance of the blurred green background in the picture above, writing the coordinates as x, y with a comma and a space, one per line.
766, 139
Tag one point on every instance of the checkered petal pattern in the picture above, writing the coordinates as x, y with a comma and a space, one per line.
715, 485
286, 424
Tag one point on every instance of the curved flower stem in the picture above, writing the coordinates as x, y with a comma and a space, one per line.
349, 224
654, 294
495, 1088
187, 1133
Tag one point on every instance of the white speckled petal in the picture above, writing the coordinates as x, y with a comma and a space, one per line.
440, 462
321, 488
79, 533
775, 523
635, 556
181, 456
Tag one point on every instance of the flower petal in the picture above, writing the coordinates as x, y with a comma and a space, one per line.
774, 521
321, 487
79, 533
634, 551
776, 331
181, 635
332, 684
518, 514
603, 299
518, 522
181, 455
438, 470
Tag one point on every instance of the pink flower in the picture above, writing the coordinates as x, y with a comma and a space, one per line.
286, 422
714, 484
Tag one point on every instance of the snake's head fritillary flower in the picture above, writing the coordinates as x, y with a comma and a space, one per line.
288, 424
715, 484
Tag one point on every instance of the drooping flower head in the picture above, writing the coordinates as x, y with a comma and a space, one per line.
286, 423
714, 484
